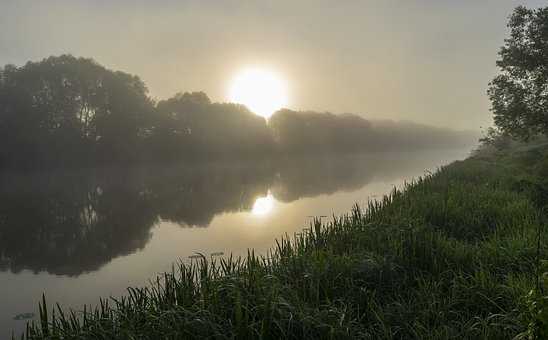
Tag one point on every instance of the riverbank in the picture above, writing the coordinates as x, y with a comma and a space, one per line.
450, 256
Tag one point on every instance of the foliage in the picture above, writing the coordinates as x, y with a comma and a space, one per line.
536, 316
195, 127
66, 109
519, 94
496, 139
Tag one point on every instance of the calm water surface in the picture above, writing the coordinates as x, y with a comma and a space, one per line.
79, 235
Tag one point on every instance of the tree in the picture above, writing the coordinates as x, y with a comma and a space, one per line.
67, 109
195, 127
519, 94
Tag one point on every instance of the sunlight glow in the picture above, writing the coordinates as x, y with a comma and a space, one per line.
263, 205
261, 90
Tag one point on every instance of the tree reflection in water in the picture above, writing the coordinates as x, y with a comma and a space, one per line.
71, 222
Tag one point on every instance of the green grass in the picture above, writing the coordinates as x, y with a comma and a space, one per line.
451, 256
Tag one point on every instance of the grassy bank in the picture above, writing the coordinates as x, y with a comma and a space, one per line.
452, 255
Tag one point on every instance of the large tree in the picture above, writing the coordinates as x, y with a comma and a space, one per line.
519, 94
66, 108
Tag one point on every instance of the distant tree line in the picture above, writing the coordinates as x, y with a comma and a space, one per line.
66, 110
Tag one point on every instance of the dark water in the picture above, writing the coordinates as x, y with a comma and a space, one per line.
79, 235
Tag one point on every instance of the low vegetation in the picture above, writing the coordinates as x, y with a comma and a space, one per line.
455, 254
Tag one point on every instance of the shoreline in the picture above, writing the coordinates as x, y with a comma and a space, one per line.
453, 254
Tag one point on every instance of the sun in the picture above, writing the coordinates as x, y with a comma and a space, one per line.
263, 205
261, 90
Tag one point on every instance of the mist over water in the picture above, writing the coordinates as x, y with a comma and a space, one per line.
81, 234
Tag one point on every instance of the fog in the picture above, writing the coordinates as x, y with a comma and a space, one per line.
67, 111
423, 61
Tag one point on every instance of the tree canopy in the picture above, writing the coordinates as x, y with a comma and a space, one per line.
196, 127
519, 94
69, 109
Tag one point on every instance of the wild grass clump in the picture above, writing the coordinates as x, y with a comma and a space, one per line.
449, 256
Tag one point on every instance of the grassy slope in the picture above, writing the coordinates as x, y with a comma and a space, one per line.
451, 256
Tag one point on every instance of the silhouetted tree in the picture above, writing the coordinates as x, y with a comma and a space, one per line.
69, 109
519, 94
198, 128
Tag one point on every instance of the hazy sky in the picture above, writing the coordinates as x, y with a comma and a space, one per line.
426, 60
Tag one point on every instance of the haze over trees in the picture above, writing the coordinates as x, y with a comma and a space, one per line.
191, 125
66, 110
519, 94
304, 131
